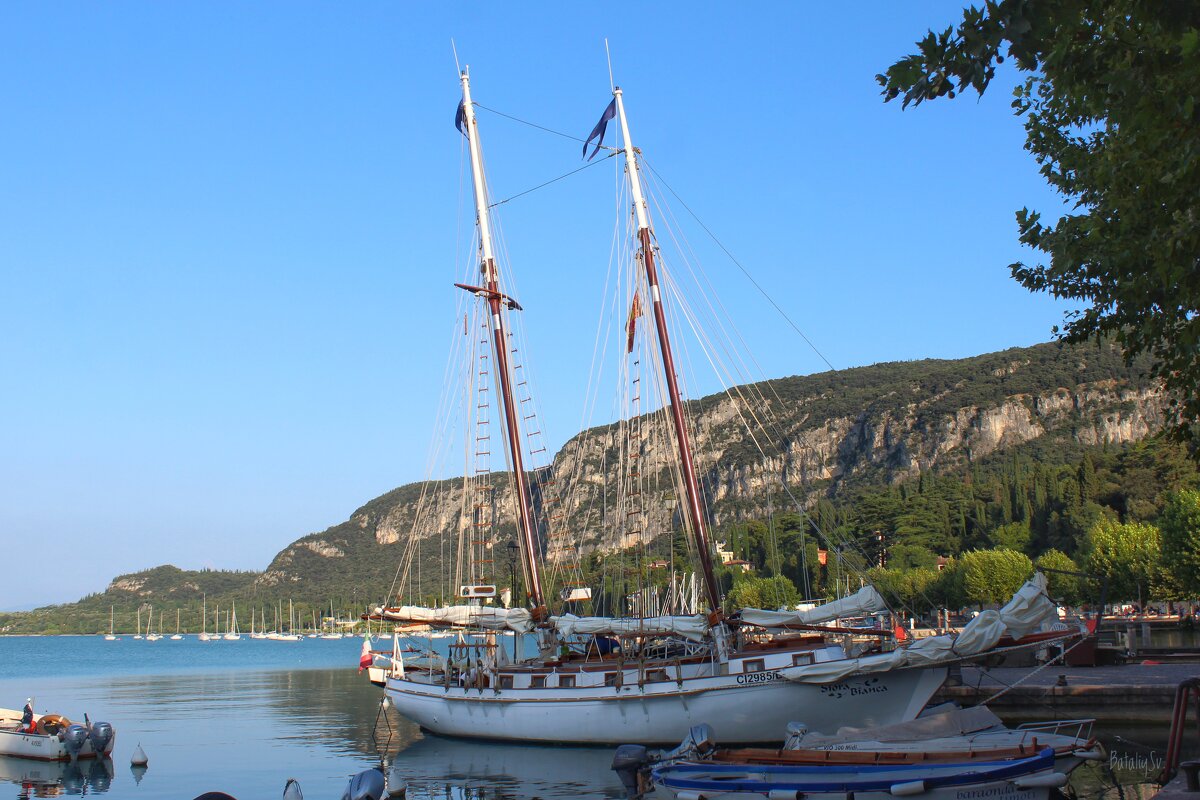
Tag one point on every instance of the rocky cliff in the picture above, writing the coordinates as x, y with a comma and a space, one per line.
820, 435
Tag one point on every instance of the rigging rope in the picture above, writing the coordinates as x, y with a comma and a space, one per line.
552, 180
535, 125
733, 258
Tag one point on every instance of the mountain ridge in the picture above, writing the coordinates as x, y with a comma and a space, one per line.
833, 433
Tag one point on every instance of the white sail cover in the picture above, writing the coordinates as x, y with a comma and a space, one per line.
693, 628
486, 617
865, 601
1031, 610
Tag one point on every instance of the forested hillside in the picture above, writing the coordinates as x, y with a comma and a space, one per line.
1026, 448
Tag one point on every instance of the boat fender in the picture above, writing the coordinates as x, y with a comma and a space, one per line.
75, 738
214, 796
1089, 754
291, 790
101, 734
50, 724
1051, 780
397, 786
908, 788
628, 762
784, 794
139, 759
366, 785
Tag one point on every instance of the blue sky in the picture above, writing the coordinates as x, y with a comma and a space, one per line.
228, 233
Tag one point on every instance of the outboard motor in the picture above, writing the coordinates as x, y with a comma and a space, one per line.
101, 735
796, 731
628, 762
698, 743
75, 736
366, 785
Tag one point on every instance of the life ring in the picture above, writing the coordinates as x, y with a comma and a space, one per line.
50, 724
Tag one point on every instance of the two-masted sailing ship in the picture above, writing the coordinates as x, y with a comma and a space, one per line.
608, 679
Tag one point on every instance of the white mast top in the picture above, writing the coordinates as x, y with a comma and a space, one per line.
631, 165
481, 206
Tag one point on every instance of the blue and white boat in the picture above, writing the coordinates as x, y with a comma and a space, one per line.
1029, 778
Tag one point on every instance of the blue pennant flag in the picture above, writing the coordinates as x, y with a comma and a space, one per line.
459, 116
598, 131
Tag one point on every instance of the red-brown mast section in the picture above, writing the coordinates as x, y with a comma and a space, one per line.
695, 504
496, 301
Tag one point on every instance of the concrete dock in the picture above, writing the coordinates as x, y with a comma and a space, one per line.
1139, 693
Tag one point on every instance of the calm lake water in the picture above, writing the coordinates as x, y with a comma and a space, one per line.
242, 717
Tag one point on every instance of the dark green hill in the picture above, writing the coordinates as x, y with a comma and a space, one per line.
839, 439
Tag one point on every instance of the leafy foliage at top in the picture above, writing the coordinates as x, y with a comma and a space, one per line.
1110, 102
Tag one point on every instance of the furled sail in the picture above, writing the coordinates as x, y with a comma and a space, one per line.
693, 628
865, 601
1031, 610
486, 617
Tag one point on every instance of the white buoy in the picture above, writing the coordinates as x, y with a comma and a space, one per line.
140, 759
291, 790
397, 786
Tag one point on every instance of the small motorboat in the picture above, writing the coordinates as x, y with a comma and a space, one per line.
969, 733
931, 760
1030, 778
53, 737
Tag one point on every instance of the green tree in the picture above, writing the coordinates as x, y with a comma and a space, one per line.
1110, 101
909, 556
1065, 588
1013, 536
1180, 526
753, 592
1127, 554
992, 576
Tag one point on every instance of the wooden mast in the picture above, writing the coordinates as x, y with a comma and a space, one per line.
496, 301
695, 506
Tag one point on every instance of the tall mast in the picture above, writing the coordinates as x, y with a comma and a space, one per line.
691, 486
496, 300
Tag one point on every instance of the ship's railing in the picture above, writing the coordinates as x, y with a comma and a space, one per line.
1079, 729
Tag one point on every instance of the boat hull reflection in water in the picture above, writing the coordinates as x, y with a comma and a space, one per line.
52, 778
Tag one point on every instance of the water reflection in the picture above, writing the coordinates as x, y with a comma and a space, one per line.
245, 732
56, 778
440, 768
345, 710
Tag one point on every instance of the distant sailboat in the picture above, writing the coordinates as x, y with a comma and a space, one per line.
137, 634
231, 634
177, 635
291, 635
150, 635
111, 636
204, 636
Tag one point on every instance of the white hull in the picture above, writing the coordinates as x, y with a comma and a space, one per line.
43, 748
662, 712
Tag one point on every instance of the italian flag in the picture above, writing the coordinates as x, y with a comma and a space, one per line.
365, 659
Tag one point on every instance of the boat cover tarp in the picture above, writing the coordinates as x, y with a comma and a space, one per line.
1031, 610
486, 617
693, 627
957, 722
865, 601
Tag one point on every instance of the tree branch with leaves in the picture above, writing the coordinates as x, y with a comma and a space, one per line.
1111, 103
